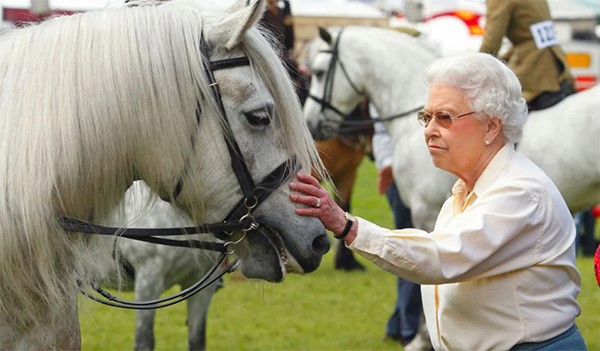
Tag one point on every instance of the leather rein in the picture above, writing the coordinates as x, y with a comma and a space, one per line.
348, 126
239, 220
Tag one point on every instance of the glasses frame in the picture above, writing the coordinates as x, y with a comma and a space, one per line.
446, 123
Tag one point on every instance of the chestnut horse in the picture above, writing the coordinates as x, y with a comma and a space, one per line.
342, 156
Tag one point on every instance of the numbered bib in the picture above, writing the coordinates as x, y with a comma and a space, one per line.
544, 34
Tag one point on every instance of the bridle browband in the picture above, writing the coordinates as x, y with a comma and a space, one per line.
348, 126
239, 219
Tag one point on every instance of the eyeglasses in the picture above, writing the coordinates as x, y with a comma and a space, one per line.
443, 118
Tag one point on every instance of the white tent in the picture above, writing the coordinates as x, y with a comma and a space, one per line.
335, 8
68, 5
571, 10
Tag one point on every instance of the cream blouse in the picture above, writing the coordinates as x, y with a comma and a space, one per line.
499, 267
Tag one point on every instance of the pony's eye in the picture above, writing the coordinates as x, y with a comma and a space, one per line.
260, 117
318, 74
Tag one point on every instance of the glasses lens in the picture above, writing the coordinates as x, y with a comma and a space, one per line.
443, 118
424, 118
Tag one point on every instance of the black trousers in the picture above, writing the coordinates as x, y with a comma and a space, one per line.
551, 98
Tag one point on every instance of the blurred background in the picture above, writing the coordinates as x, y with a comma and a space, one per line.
451, 25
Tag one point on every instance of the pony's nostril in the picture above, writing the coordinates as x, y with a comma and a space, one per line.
321, 244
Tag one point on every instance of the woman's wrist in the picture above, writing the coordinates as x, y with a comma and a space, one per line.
338, 227
347, 226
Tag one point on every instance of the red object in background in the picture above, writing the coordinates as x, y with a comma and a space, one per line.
596, 214
596, 211
26, 16
470, 19
597, 265
583, 82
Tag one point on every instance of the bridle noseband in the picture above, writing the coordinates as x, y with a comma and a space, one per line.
240, 218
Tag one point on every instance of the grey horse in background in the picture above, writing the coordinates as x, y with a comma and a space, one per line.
156, 268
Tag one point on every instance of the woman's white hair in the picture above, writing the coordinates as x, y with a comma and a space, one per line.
489, 86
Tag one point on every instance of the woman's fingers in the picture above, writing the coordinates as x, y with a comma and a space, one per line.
306, 189
307, 200
308, 185
307, 178
318, 202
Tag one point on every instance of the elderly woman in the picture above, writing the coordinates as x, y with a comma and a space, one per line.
498, 271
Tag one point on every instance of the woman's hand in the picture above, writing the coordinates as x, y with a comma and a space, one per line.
319, 203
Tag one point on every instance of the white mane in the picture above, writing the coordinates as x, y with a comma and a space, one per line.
89, 103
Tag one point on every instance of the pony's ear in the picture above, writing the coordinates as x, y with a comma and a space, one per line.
325, 35
243, 17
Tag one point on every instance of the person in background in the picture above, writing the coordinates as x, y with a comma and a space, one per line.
279, 22
498, 271
585, 223
536, 56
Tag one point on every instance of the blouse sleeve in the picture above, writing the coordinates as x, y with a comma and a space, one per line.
498, 233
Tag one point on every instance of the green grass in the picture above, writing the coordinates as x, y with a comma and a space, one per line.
324, 310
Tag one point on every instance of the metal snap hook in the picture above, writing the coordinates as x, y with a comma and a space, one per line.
248, 216
230, 245
253, 224
228, 250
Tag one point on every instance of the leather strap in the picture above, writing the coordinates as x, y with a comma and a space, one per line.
346, 230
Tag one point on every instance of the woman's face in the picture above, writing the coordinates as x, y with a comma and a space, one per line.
459, 147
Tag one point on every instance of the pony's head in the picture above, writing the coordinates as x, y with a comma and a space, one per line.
384, 65
263, 114
336, 86
92, 102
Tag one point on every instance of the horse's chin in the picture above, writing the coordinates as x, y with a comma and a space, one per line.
268, 259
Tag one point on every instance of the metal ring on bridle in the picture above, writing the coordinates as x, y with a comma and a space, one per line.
253, 224
250, 207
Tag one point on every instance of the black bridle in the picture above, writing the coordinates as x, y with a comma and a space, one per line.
346, 126
325, 101
239, 219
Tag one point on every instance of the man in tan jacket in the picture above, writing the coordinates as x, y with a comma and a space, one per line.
536, 56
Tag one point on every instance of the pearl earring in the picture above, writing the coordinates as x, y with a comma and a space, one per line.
487, 141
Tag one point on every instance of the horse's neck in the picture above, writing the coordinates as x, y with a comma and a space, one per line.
396, 91
393, 70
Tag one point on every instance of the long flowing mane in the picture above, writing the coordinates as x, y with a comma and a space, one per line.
86, 104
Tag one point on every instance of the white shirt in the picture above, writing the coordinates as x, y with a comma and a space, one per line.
382, 146
498, 273
381, 141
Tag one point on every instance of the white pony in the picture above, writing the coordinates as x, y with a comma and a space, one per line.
389, 67
160, 93
156, 268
